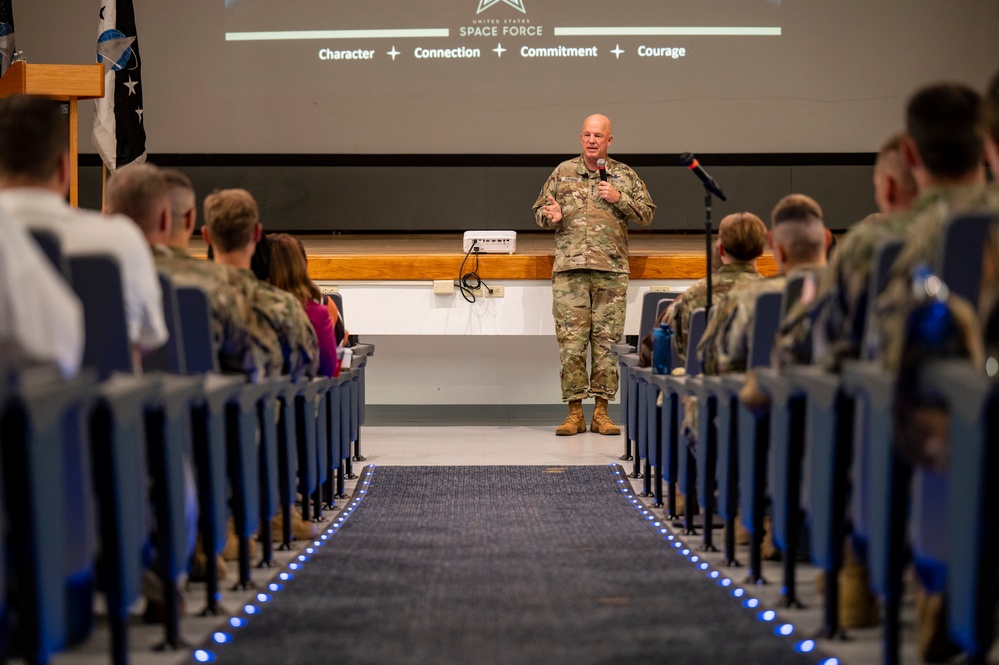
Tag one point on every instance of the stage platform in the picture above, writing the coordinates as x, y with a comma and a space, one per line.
431, 256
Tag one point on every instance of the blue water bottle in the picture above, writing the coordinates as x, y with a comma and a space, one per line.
662, 348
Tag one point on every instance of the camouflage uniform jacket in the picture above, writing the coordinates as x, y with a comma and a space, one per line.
244, 345
283, 312
834, 320
593, 234
726, 343
927, 220
677, 315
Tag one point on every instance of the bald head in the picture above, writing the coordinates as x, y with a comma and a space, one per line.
140, 191
595, 138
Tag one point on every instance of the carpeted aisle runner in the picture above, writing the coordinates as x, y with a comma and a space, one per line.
501, 565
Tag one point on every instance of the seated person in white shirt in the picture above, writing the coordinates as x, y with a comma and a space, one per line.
34, 181
41, 319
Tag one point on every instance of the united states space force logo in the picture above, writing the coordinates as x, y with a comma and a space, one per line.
516, 4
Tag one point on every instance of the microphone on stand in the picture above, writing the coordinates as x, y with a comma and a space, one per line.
688, 160
602, 169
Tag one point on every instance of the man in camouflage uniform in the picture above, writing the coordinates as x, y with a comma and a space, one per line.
951, 179
589, 209
232, 228
741, 239
894, 191
246, 344
799, 239
162, 204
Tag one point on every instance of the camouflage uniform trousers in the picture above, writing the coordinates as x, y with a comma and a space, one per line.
589, 308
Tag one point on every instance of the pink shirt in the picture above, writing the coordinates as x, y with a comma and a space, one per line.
323, 325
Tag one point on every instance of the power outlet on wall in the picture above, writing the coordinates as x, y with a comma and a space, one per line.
443, 287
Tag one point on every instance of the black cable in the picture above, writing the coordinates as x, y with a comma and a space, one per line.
469, 282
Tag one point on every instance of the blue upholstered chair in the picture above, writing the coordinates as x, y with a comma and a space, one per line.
676, 387
48, 495
117, 430
361, 352
195, 320
971, 521
51, 247
170, 357
97, 281
653, 302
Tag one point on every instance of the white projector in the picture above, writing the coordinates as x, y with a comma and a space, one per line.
490, 242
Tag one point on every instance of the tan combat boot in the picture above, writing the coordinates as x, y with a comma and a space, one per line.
574, 422
601, 422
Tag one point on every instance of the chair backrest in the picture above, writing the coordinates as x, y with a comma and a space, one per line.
195, 319
97, 281
49, 243
959, 263
170, 356
698, 321
766, 319
885, 254
653, 303
792, 293
338, 299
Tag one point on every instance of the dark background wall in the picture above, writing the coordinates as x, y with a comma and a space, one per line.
457, 193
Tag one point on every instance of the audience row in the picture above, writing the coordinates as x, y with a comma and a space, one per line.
936, 241
264, 415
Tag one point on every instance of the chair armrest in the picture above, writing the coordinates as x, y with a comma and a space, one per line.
869, 378
363, 349
817, 383
622, 349
774, 384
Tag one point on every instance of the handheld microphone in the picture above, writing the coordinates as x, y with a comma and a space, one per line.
602, 168
688, 160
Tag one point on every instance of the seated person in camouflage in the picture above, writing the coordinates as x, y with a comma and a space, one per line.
894, 192
798, 238
232, 227
947, 126
742, 237
943, 148
246, 344
148, 196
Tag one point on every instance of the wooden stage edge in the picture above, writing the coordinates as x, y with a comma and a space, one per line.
425, 256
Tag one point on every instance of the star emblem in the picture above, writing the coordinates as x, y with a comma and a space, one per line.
516, 4
139, 113
393, 53
115, 49
499, 50
130, 84
617, 51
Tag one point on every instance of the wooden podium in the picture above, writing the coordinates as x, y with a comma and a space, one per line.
67, 83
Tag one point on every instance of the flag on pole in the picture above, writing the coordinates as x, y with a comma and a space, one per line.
119, 133
6, 35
